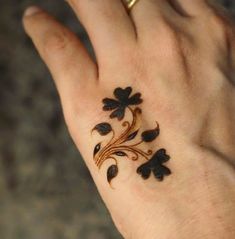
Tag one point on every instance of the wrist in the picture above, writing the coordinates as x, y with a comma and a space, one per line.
199, 202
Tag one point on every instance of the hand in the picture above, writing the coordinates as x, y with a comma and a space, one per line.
154, 118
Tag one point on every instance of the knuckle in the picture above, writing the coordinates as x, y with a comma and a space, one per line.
169, 39
171, 43
219, 28
55, 42
218, 20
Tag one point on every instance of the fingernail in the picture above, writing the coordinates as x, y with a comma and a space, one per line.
31, 11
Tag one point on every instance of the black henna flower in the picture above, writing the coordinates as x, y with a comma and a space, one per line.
155, 165
122, 101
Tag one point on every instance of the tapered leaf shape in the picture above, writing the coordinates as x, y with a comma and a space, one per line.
150, 135
132, 135
112, 172
120, 153
103, 128
97, 149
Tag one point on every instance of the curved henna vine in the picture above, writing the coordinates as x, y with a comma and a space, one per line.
121, 145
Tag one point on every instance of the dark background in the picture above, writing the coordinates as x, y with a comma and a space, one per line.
46, 192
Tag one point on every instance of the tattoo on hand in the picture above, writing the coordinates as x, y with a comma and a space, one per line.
125, 144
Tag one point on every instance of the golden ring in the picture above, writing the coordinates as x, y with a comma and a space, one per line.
130, 3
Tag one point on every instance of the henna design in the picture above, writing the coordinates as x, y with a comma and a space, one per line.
121, 145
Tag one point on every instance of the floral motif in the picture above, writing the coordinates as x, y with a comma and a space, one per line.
126, 144
122, 101
155, 165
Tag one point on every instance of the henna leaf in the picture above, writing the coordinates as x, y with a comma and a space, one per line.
103, 128
150, 135
112, 172
120, 153
97, 149
132, 135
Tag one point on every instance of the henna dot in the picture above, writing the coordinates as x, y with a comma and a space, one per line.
97, 149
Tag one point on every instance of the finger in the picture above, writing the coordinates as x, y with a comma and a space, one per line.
63, 53
152, 16
192, 8
108, 25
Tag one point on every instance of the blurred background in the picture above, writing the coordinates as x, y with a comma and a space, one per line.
46, 192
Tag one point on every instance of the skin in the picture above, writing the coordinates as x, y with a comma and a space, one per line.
181, 58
